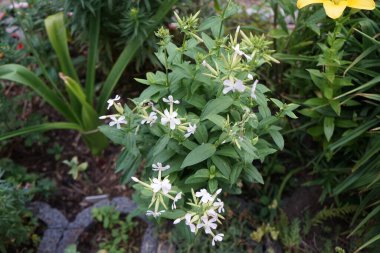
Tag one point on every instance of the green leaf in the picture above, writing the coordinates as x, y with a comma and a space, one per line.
213, 185
216, 106
328, 127
56, 30
201, 134
222, 165
200, 176
217, 120
235, 173
253, 174
199, 154
277, 138
40, 128
161, 144
19, 74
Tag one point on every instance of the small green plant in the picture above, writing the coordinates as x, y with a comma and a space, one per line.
75, 167
72, 248
55, 150
119, 229
16, 221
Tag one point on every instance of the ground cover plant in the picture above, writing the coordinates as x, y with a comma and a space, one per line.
247, 126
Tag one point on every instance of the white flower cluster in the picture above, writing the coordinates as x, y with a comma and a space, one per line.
116, 119
168, 117
231, 83
205, 214
161, 189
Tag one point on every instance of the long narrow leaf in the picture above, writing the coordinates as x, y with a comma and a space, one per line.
92, 56
128, 54
20, 74
40, 128
55, 28
369, 242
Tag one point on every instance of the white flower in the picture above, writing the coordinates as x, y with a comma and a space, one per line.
117, 121
204, 63
233, 86
176, 221
159, 167
158, 185
176, 198
154, 214
151, 119
212, 213
253, 90
204, 195
188, 222
112, 101
217, 238
190, 130
207, 224
250, 76
170, 118
237, 50
170, 100
220, 205
135, 179
20, 5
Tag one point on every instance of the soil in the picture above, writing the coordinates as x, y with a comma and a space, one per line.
94, 235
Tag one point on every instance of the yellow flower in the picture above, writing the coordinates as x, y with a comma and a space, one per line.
334, 8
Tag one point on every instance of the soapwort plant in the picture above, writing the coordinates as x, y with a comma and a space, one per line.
206, 115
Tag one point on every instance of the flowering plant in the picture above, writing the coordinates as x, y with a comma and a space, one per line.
206, 116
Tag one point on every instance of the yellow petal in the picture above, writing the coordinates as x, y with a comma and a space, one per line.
362, 4
303, 3
334, 10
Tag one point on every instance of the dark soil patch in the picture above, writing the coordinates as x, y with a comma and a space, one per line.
95, 234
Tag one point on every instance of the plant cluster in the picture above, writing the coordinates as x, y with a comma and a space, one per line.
205, 117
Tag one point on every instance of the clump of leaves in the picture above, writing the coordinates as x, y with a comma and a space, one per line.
75, 167
110, 219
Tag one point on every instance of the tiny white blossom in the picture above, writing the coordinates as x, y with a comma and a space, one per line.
233, 86
158, 185
170, 118
204, 63
117, 121
204, 195
188, 222
154, 214
190, 130
21, 5
176, 221
112, 101
103, 117
160, 167
212, 213
134, 179
237, 50
151, 119
220, 205
217, 238
176, 198
250, 76
207, 224
170, 100
253, 90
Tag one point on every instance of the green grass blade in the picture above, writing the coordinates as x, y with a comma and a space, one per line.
55, 28
127, 55
20, 74
40, 128
369, 242
366, 219
92, 56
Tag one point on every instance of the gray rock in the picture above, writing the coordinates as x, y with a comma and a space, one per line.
60, 233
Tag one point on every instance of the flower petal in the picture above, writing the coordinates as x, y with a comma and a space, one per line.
303, 3
362, 4
333, 10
